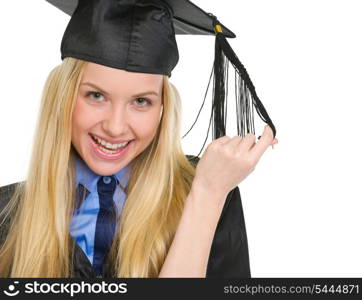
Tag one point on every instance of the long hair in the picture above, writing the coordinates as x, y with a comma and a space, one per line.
38, 243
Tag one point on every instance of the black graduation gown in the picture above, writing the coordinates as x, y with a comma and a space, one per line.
228, 258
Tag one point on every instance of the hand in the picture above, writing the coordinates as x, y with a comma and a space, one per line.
228, 161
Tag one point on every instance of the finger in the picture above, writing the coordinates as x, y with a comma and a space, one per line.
233, 142
275, 141
242, 144
222, 140
247, 142
263, 143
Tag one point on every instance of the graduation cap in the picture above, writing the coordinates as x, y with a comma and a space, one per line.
139, 36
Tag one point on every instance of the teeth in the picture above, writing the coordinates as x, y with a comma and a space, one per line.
107, 151
108, 145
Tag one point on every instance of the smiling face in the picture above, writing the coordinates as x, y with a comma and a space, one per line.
114, 107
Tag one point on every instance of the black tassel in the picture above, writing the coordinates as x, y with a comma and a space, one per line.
245, 94
246, 97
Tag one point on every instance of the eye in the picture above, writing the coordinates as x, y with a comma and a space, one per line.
94, 95
143, 102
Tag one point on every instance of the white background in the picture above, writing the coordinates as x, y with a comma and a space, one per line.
302, 203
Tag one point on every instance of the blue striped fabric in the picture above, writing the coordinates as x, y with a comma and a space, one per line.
106, 221
83, 224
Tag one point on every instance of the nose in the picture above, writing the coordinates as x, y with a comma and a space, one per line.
116, 122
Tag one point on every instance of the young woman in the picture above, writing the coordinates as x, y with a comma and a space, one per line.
175, 215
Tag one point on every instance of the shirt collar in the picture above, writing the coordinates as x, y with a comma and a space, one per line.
86, 177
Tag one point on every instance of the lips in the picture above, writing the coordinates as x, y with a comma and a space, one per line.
104, 146
117, 154
107, 140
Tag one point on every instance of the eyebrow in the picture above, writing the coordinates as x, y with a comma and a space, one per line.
106, 93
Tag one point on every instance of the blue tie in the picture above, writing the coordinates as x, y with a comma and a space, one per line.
106, 221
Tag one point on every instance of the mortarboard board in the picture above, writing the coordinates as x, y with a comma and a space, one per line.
139, 36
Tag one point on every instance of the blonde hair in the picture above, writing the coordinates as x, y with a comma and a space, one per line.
40, 210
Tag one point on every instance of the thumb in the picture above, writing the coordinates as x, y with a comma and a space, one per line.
266, 128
